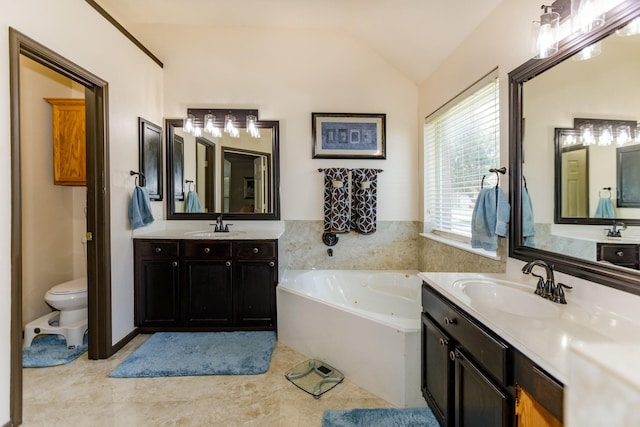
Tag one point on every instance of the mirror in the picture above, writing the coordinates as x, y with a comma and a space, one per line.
237, 177
546, 96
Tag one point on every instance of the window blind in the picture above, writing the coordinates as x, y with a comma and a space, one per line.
462, 143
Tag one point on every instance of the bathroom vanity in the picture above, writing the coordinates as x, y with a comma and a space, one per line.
200, 284
469, 373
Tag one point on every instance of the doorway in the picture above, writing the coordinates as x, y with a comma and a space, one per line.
97, 215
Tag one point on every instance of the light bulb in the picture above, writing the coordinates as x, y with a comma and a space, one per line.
189, 123
631, 29
209, 123
252, 126
606, 135
586, 134
624, 135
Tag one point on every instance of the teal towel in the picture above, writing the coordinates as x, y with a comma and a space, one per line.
605, 208
528, 225
192, 203
490, 219
140, 208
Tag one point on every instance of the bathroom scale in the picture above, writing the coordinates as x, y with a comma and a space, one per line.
314, 377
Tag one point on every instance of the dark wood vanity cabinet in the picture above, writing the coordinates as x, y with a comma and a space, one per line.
469, 374
157, 283
465, 369
205, 284
622, 254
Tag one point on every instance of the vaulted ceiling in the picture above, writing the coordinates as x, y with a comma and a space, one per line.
413, 35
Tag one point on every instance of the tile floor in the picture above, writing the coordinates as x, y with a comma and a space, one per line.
81, 394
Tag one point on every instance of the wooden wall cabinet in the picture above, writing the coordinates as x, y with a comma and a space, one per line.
69, 141
469, 374
205, 284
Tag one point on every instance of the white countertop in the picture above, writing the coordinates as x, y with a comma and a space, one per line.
238, 230
584, 320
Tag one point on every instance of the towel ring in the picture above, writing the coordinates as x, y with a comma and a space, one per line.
605, 189
497, 171
189, 182
143, 180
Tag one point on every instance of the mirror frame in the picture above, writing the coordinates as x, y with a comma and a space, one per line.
170, 125
615, 277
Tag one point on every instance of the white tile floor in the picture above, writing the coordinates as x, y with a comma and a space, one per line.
82, 394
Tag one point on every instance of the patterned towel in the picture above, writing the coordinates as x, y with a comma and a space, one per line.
364, 200
336, 200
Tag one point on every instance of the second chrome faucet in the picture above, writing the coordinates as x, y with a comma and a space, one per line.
548, 288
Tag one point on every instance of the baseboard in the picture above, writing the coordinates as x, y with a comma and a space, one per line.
8, 424
118, 346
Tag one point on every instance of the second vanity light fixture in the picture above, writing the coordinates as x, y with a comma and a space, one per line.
584, 15
216, 121
602, 132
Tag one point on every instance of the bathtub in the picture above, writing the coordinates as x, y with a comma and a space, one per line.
364, 323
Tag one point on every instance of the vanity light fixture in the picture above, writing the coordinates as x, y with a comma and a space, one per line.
588, 52
210, 125
252, 126
631, 29
545, 33
587, 15
230, 126
189, 123
623, 134
606, 135
586, 134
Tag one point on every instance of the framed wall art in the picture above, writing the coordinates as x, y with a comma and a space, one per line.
348, 136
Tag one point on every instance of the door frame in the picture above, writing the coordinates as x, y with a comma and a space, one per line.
98, 207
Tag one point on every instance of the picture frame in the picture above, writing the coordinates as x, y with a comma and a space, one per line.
249, 187
348, 136
150, 157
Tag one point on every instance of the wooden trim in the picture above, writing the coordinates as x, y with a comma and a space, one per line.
98, 208
124, 341
124, 31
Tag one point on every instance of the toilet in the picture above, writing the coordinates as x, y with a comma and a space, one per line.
70, 319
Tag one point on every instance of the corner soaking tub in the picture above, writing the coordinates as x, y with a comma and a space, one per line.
365, 323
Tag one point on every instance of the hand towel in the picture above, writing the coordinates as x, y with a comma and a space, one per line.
490, 219
192, 204
140, 213
605, 208
528, 225
336, 200
364, 200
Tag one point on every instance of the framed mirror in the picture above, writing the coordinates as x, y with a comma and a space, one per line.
233, 175
546, 96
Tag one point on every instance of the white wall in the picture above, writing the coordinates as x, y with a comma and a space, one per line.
73, 29
287, 75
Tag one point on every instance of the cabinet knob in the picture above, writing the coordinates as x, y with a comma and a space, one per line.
442, 342
452, 355
228, 263
174, 264
207, 250
158, 250
448, 321
255, 250
272, 264
620, 253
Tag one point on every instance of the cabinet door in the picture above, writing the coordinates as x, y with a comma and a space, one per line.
478, 401
437, 371
159, 294
255, 291
208, 293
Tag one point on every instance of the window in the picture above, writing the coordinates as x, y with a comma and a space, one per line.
461, 144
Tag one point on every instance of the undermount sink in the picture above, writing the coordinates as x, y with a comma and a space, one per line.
216, 234
508, 297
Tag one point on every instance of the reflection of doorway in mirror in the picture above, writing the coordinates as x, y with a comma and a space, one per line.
575, 185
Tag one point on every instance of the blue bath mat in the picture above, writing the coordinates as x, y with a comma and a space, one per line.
175, 354
380, 417
50, 350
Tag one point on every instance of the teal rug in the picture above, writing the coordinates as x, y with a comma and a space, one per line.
50, 350
380, 417
176, 354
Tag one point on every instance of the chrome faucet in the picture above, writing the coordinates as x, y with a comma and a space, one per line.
615, 231
547, 288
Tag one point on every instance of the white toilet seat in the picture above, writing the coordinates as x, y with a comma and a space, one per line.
74, 286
